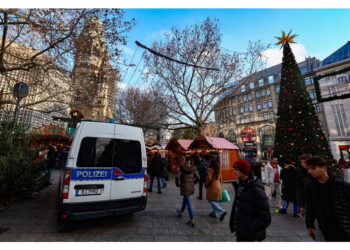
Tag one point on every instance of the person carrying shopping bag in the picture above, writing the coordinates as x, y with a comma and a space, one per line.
214, 189
186, 179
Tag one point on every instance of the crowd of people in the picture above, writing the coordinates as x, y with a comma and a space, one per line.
55, 156
315, 193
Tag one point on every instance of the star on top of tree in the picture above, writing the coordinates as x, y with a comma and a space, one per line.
285, 38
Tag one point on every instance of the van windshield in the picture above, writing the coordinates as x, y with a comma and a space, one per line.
106, 152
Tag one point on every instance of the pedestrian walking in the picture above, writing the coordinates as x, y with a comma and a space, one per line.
303, 177
186, 179
156, 171
250, 214
328, 202
289, 181
202, 169
214, 189
165, 171
273, 181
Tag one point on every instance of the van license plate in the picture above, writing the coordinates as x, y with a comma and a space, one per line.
81, 192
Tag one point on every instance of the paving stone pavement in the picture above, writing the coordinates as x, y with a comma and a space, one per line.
35, 220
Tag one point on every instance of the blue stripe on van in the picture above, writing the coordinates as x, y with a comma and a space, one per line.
130, 176
101, 174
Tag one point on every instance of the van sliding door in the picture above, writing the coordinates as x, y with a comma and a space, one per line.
127, 180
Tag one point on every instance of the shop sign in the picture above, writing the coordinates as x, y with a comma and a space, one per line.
249, 145
248, 135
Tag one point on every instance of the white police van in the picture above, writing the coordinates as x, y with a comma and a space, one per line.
105, 174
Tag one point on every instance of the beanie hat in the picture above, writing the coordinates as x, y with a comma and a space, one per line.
243, 166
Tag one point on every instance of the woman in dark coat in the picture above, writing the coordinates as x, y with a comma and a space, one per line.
289, 176
186, 179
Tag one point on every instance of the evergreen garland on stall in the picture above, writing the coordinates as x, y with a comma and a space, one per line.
298, 129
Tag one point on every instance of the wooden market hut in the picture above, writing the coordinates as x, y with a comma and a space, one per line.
225, 150
175, 148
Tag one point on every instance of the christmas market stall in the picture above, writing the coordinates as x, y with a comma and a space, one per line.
175, 148
47, 135
225, 151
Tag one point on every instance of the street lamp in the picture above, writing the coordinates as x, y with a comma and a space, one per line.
20, 91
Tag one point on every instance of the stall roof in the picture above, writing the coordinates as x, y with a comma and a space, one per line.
174, 144
214, 142
49, 131
185, 143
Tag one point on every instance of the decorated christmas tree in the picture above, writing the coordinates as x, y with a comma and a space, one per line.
298, 129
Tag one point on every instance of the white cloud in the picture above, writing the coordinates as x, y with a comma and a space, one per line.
274, 56
122, 85
128, 51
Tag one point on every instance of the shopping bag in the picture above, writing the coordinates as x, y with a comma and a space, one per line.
225, 196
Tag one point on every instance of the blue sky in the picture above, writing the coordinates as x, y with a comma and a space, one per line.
321, 31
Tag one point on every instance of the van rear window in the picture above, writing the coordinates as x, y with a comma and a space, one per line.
106, 152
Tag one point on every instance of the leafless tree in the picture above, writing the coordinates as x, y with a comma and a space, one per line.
41, 43
195, 89
144, 108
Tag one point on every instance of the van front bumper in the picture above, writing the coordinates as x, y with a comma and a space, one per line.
90, 210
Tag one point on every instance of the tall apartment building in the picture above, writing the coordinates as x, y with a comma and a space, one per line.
333, 85
247, 116
93, 77
47, 90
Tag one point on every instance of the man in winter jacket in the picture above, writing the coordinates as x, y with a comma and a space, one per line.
202, 168
156, 170
250, 215
328, 202
273, 181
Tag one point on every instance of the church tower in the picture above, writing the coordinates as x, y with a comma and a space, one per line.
93, 78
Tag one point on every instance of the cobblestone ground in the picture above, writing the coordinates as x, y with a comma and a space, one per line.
35, 220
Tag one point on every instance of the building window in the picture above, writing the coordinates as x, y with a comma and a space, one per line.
243, 88
316, 107
266, 115
269, 103
251, 85
241, 110
340, 120
267, 138
258, 106
278, 89
250, 107
234, 111
312, 94
264, 105
257, 94
268, 92
332, 91
271, 79
231, 136
308, 80
246, 108
261, 82
263, 92
249, 97
260, 116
